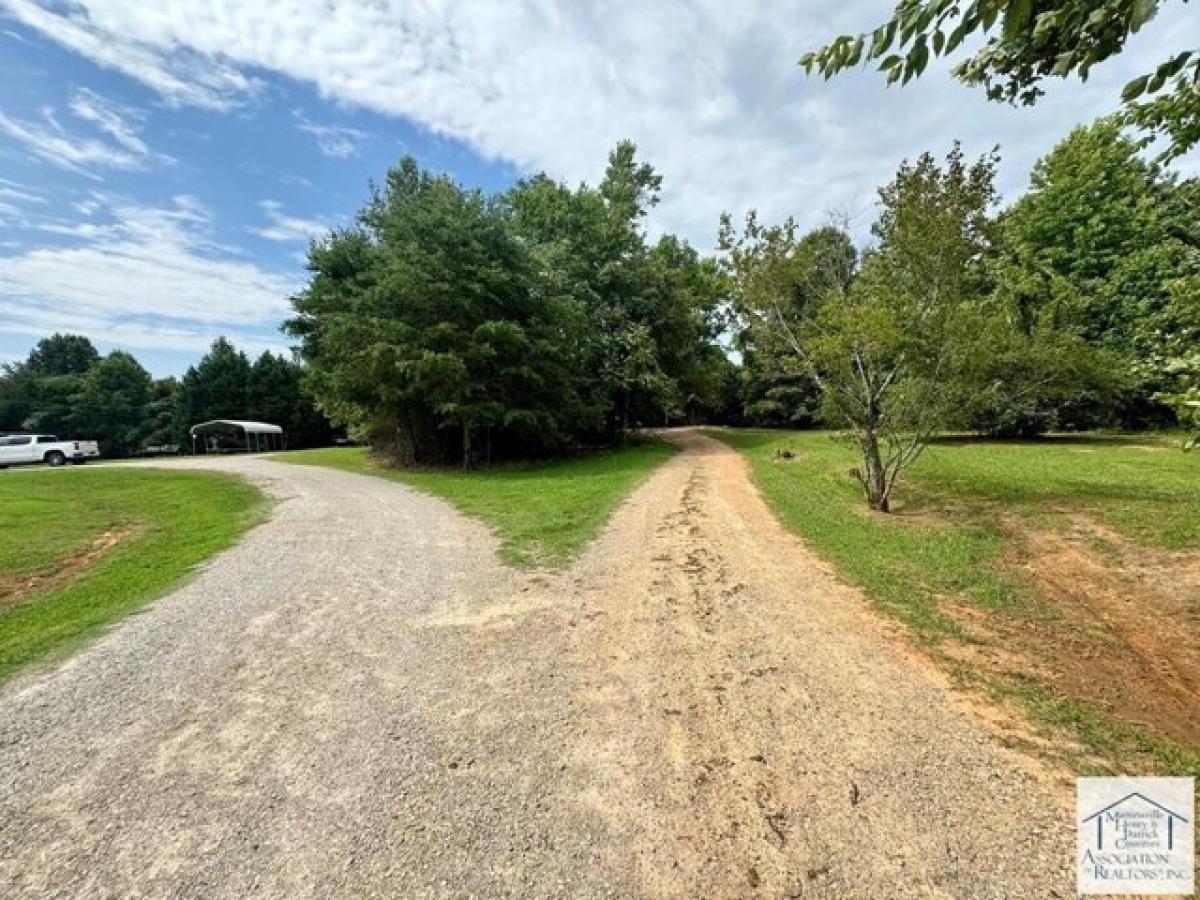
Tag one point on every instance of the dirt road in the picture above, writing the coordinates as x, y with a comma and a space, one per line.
359, 701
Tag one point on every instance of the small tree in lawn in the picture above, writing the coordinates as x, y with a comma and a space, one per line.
884, 339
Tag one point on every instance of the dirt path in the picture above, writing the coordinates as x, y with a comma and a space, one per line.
758, 731
358, 701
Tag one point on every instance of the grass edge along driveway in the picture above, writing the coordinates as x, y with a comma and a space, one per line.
543, 512
951, 545
163, 524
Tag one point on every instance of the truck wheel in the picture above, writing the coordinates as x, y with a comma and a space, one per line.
55, 458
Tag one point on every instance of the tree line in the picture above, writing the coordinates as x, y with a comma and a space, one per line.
449, 325
66, 387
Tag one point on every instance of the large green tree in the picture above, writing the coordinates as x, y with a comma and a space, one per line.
1027, 42
112, 402
449, 324
1104, 245
63, 354
39, 394
420, 327
275, 393
214, 388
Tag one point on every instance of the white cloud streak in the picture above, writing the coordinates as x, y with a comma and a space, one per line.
337, 141
149, 277
283, 227
113, 120
180, 76
48, 140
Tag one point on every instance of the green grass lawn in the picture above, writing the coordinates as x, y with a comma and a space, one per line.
169, 522
543, 512
953, 526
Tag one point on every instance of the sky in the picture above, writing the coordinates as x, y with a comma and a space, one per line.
164, 165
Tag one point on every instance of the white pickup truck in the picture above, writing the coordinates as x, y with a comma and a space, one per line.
19, 449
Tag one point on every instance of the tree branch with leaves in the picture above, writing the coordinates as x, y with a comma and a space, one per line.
1026, 43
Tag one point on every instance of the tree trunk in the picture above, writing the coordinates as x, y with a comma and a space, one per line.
874, 480
466, 451
624, 416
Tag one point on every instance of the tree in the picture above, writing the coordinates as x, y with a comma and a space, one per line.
1184, 394
787, 278
214, 388
63, 354
1104, 246
38, 394
112, 402
160, 413
275, 393
18, 387
1027, 43
451, 325
419, 324
884, 340
1023, 384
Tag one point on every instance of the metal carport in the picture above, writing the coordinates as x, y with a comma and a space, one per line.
257, 435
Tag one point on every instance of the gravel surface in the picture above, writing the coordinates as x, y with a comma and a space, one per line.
298, 722
359, 701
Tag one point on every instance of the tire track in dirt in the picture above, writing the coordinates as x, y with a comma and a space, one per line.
753, 730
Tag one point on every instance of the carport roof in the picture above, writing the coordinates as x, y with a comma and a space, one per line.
237, 425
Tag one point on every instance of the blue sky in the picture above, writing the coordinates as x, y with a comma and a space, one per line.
163, 166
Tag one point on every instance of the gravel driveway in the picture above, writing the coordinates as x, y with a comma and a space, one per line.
359, 701
304, 719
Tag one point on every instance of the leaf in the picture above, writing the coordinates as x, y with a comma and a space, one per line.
956, 37
1134, 89
917, 58
882, 39
1141, 13
1016, 17
988, 18
939, 41
1172, 67
1062, 66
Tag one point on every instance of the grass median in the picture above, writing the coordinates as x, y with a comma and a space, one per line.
543, 512
82, 548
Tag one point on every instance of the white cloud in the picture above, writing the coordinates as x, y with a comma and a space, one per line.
48, 139
17, 193
111, 118
709, 90
14, 198
338, 141
149, 277
283, 227
181, 76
